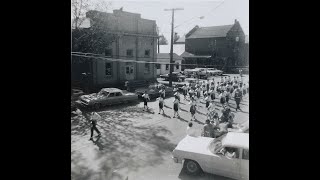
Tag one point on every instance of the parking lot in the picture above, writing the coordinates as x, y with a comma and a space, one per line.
137, 144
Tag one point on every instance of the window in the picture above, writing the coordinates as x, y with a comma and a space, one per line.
158, 66
147, 53
108, 52
118, 94
111, 95
167, 66
177, 66
129, 53
245, 154
146, 68
127, 70
108, 69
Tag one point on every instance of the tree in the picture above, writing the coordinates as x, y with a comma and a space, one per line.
78, 10
176, 37
163, 40
95, 38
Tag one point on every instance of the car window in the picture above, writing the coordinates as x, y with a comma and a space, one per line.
245, 154
232, 150
111, 95
118, 94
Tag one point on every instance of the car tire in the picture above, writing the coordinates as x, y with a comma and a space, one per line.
191, 167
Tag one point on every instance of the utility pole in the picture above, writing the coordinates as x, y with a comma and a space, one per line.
171, 49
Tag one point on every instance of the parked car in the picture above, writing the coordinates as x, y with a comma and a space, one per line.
75, 94
214, 71
190, 72
107, 96
210, 155
153, 90
175, 76
242, 128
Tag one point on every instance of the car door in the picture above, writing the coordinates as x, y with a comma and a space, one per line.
111, 98
244, 166
228, 167
120, 98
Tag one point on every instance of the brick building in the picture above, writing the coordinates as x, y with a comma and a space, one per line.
215, 46
132, 38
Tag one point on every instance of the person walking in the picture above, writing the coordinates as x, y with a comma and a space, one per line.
191, 93
193, 108
185, 91
207, 99
161, 103
244, 89
210, 110
222, 98
227, 96
198, 90
176, 107
94, 118
190, 130
237, 98
212, 93
145, 97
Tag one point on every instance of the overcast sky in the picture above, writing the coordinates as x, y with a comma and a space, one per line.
215, 12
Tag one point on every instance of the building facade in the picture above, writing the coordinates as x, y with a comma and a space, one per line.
164, 63
126, 57
216, 46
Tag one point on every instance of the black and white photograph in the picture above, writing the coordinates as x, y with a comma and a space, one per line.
159, 89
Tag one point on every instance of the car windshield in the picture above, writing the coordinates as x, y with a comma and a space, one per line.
216, 144
103, 93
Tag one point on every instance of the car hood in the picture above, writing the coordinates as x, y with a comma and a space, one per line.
89, 97
197, 145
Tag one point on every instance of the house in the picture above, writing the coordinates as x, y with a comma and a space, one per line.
163, 66
127, 56
215, 46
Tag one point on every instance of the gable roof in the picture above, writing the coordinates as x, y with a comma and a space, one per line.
177, 48
181, 40
212, 31
166, 57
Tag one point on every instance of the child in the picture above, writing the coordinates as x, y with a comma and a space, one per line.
145, 100
184, 88
244, 89
207, 99
191, 93
227, 96
161, 103
192, 108
175, 107
210, 108
222, 98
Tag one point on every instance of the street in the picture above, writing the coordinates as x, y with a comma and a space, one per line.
137, 144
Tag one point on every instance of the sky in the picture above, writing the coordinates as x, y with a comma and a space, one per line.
215, 12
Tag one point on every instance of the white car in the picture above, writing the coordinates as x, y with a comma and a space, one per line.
214, 71
209, 155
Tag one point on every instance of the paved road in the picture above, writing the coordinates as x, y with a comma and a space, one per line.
135, 143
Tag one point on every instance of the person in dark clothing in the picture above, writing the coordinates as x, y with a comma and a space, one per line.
237, 98
176, 107
94, 118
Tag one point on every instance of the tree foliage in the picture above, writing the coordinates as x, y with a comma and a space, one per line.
163, 40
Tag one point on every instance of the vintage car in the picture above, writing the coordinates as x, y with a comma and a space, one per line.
210, 155
153, 90
107, 96
176, 76
214, 71
242, 128
190, 72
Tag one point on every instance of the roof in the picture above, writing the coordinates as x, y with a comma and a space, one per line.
177, 48
166, 57
212, 31
110, 90
190, 55
234, 139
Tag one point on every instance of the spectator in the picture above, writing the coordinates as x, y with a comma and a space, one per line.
238, 97
190, 130
208, 129
192, 108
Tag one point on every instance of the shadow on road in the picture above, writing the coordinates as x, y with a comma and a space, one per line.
167, 116
121, 143
181, 119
